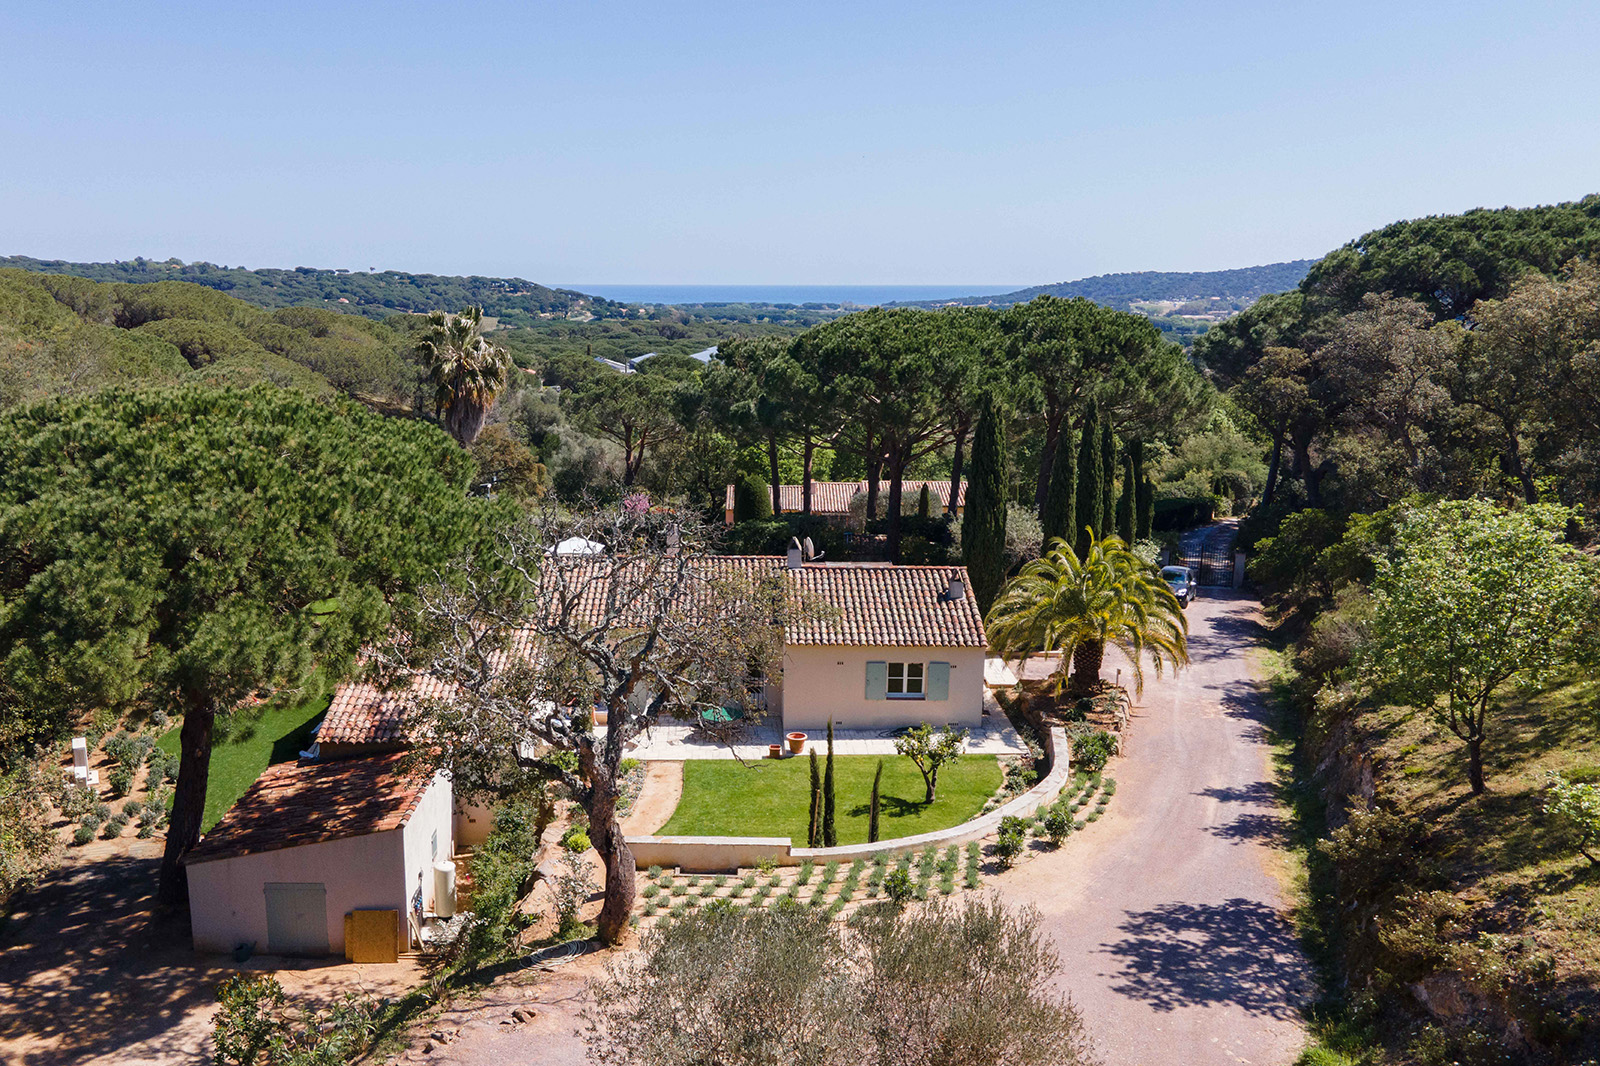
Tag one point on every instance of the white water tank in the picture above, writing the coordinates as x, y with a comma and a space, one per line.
444, 889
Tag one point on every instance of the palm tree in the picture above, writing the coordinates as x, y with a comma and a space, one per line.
1112, 596
466, 370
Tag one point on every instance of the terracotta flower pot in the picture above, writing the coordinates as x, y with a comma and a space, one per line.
797, 743
774, 751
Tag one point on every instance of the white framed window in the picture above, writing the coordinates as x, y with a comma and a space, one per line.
907, 681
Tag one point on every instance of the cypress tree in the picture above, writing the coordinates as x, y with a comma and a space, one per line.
1060, 502
983, 525
1108, 479
814, 837
1089, 476
1125, 501
872, 808
1144, 500
924, 504
830, 837
752, 498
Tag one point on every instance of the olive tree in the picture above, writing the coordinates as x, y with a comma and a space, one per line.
516, 661
901, 987
931, 751
1472, 601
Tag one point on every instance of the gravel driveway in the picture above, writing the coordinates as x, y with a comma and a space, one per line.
1168, 912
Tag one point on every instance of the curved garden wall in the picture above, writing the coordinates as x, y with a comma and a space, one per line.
712, 854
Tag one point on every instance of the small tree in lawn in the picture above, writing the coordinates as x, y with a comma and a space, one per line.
814, 817
873, 806
830, 837
1471, 602
654, 625
931, 751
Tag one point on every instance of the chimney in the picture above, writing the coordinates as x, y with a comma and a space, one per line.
958, 587
794, 554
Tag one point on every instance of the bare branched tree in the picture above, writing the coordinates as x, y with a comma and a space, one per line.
548, 661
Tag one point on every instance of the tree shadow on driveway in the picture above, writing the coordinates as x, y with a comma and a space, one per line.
1239, 953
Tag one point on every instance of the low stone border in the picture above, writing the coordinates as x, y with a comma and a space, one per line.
715, 854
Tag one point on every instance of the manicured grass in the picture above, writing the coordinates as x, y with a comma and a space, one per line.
722, 797
255, 741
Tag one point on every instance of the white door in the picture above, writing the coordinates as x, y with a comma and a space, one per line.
297, 918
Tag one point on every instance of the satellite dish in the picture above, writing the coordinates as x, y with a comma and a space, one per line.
810, 549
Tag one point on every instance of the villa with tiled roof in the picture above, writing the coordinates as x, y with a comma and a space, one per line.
877, 646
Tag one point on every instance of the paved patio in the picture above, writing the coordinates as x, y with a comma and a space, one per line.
672, 740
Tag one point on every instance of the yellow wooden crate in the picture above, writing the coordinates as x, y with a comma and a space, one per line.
372, 936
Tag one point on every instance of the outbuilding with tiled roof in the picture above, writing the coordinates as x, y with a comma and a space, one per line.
312, 843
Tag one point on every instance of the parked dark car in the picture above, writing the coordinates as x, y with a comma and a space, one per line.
1180, 579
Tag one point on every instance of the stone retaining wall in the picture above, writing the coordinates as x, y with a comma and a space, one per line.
714, 854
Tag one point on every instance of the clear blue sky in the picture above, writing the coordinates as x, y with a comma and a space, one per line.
758, 143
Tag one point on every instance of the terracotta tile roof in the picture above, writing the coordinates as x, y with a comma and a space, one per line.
861, 604
311, 803
895, 606
364, 714
833, 497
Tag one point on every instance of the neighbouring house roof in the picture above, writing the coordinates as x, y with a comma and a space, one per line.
860, 605
833, 497
294, 804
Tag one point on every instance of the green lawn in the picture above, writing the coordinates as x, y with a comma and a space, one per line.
254, 742
769, 798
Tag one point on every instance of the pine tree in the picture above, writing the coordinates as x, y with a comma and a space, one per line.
830, 836
814, 837
1108, 480
1087, 506
872, 808
1144, 500
1125, 501
1060, 502
983, 525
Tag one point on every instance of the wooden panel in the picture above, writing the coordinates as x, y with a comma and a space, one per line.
372, 936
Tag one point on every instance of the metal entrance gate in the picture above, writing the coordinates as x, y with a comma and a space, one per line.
1212, 567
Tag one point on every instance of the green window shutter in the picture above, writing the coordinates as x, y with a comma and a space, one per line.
938, 681
877, 681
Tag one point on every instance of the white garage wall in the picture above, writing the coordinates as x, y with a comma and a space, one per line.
433, 820
227, 902
823, 682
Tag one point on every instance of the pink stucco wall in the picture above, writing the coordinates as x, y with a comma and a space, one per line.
824, 682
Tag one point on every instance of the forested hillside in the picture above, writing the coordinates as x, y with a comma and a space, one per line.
1425, 542
374, 295
68, 334
1125, 291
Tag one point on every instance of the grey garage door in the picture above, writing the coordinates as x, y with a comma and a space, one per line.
297, 918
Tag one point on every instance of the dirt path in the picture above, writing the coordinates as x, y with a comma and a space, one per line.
1168, 912
663, 788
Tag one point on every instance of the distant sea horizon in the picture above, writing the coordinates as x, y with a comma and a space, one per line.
860, 295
